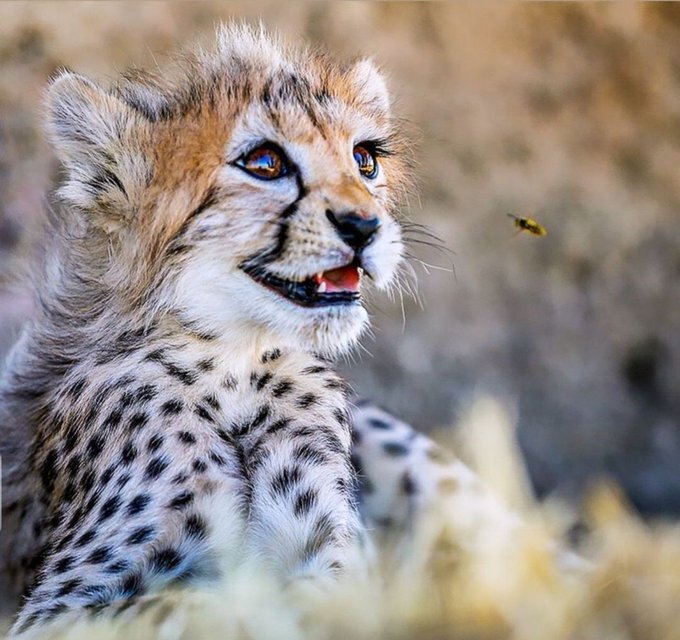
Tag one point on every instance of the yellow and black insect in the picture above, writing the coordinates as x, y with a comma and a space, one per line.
529, 225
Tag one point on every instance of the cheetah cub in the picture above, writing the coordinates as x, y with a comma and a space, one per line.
171, 409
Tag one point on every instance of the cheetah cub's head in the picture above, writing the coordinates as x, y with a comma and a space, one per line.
249, 190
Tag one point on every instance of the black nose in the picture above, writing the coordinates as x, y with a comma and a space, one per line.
356, 230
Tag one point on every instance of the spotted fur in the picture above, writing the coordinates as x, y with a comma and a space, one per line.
164, 416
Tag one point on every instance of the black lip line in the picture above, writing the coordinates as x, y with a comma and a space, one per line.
305, 293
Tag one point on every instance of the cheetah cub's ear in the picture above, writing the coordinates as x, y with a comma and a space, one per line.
100, 139
370, 86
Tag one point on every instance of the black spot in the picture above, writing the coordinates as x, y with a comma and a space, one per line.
99, 556
76, 517
119, 566
181, 500
261, 416
217, 458
204, 414
171, 407
314, 369
113, 419
199, 465
126, 400
303, 432
376, 423
196, 527
131, 585
186, 437
238, 430
270, 356
279, 424
69, 491
285, 480
408, 486
304, 502
145, 393
140, 535
341, 416
307, 400
67, 587
224, 436
123, 480
137, 420
87, 480
64, 541
106, 476
86, 538
263, 380
336, 383
96, 594
307, 453
155, 442
74, 465
212, 401
183, 375
64, 564
157, 355
53, 611
109, 508
166, 559
229, 382
70, 439
206, 365
180, 478
128, 454
48, 471
322, 534
76, 387
95, 446
138, 504
282, 388
156, 467
333, 442
396, 449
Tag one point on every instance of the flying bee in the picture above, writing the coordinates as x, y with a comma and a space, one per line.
529, 225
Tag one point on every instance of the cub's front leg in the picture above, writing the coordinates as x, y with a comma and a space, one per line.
301, 505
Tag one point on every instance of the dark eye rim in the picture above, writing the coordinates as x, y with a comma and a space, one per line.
287, 167
369, 146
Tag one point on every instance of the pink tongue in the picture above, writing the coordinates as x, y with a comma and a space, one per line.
342, 279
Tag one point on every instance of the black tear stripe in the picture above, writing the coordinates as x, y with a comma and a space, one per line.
270, 255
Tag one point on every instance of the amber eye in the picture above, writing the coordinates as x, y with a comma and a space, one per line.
266, 162
366, 161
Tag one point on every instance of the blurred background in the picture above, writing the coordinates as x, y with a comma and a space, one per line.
566, 112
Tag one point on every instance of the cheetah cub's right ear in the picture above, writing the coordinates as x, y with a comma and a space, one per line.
101, 141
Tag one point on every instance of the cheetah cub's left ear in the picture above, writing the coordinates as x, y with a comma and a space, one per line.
100, 139
370, 85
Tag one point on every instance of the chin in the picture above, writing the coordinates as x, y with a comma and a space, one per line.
238, 308
330, 331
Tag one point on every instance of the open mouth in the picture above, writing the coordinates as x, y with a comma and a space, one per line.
324, 289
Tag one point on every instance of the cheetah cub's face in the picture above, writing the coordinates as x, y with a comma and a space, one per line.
252, 192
